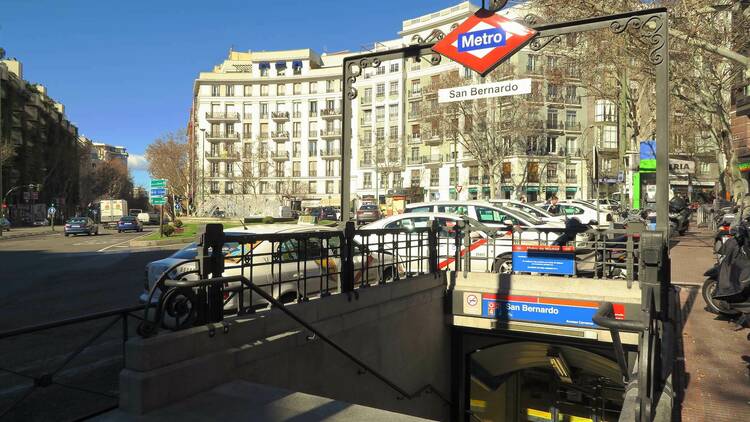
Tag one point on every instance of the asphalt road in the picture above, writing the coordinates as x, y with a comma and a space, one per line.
51, 277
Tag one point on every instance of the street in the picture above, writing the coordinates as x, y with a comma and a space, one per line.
49, 277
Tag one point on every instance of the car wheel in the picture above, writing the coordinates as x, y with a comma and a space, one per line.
288, 297
119, 231
66, 235
503, 265
88, 233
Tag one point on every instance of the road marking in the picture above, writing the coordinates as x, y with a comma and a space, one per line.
120, 243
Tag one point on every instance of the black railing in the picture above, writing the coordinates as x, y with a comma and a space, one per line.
83, 373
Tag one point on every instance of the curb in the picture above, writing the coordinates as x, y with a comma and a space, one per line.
28, 235
160, 242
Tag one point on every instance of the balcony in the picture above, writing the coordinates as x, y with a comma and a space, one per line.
413, 161
312, 134
247, 116
573, 126
330, 154
280, 116
280, 155
473, 180
331, 113
414, 139
247, 135
282, 136
555, 99
432, 138
414, 93
296, 154
573, 73
365, 122
330, 133
555, 125
264, 136
365, 142
365, 100
313, 113
297, 115
222, 117
222, 155
415, 115
535, 70
365, 163
573, 100
222, 136
429, 90
435, 160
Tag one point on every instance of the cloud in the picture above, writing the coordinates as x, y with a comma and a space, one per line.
137, 162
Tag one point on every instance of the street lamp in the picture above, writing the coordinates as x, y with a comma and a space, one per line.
203, 168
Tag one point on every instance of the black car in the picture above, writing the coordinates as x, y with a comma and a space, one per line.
324, 213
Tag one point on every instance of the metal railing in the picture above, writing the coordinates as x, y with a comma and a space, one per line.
83, 372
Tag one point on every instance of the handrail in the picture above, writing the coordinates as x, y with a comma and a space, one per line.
69, 321
238, 278
603, 317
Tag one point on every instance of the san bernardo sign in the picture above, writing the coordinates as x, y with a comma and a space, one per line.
484, 40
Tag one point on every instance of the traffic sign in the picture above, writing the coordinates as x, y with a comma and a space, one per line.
458, 188
158, 183
158, 192
158, 200
484, 40
51, 211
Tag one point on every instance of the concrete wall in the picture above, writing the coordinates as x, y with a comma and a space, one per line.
399, 329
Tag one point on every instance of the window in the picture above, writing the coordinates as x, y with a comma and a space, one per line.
312, 148
330, 85
416, 179
380, 134
214, 187
367, 183
331, 167
551, 144
570, 175
297, 88
247, 90
393, 111
279, 170
380, 113
435, 177
416, 86
264, 90
367, 95
367, 116
230, 170
230, 90
263, 110
467, 73
229, 187
532, 169
380, 70
263, 187
313, 87
552, 62
264, 69
230, 129
384, 180
533, 63
506, 173
279, 186
415, 154
489, 215
280, 89
474, 175
214, 170
393, 88
704, 168
571, 145
367, 157
393, 154
312, 187
263, 169
393, 135
552, 172
296, 129
608, 137
329, 186
313, 108
605, 111
380, 90
296, 151
394, 67
453, 176
246, 130
312, 169
215, 91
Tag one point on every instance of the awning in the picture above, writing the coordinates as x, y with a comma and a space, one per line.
551, 189
473, 190
507, 188
264, 65
281, 65
571, 189
297, 63
486, 189
532, 189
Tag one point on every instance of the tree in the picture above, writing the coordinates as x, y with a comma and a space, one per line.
7, 153
168, 159
111, 180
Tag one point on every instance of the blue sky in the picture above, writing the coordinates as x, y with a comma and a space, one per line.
125, 69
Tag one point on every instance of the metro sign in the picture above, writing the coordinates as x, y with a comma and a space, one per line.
484, 40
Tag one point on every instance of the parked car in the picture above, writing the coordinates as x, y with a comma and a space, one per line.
528, 209
129, 223
490, 249
4, 224
324, 213
493, 216
280, 276
81, 225
584, 211
368, 213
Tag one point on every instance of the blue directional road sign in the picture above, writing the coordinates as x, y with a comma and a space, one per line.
158, 192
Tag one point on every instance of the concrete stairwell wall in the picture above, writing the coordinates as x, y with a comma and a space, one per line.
398, 329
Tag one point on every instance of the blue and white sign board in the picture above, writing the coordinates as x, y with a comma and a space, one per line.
569, 312
559, 260
158, 192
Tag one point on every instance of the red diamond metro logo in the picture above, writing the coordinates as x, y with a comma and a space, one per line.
484, 40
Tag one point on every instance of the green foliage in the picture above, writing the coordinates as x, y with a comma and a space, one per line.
177, 223
267, 220
167, 230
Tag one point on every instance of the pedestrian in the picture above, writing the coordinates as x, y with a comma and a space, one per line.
554, 208
523, 198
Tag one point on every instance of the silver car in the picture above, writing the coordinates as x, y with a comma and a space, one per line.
281, 272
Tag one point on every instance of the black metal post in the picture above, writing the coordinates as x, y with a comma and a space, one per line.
347, 259
432, 244
211, 262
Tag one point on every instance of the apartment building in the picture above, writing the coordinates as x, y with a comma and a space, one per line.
404, 147
40, 147
268, 125
100, 152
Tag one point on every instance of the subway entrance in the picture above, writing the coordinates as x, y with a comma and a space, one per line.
537, 381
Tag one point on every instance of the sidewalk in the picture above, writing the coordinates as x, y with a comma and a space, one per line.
716, 358
16, 232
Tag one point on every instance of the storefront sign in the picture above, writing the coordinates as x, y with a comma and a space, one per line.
544, 259
681, 166
570, 312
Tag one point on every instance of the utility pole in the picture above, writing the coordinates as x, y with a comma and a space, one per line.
203, 167
2, 145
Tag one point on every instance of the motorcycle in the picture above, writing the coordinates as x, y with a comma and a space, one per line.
679, 214
727, 286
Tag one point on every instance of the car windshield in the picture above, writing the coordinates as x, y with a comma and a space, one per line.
127, 219
77, 220
368, 208
529, 209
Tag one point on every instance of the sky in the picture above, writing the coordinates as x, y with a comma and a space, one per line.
125, 69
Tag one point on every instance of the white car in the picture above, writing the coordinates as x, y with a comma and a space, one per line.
585, 212
489, 249
530, 227
528, 209
292, 269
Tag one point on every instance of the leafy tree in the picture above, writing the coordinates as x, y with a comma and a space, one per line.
168, 159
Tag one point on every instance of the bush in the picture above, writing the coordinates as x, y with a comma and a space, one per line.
167, 230
267, 220
177, 223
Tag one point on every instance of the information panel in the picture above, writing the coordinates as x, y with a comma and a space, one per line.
544, 259
570, 312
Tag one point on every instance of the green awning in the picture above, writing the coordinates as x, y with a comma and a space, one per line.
451, 190
571, 189
473, 190
551, 189
507, 188
647, 165
532, 189
485, 189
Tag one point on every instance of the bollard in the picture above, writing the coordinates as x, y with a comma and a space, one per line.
347, 259
432, 242
211, 261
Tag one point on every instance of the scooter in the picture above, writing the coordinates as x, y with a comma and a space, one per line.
679, 214
727, 286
